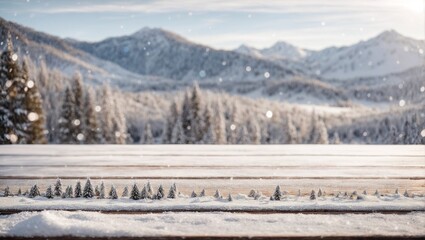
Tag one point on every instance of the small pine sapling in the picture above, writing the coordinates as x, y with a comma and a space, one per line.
299, 193
271, 198
258, 195
6, 192
19, 192
58, 188
277, 195
230, 198
377, 193
49, 192
96, 191
203, 193
217, 194
113, 193
160, 194
406, 194
252, 193
102, 190
172, 192
149, 189
78, 193
193, 195
144, 193
125, 192
135, 193
175, 188
319, 193
313, 195
34, 192
70, 192
396, 191
88, 189
364, 192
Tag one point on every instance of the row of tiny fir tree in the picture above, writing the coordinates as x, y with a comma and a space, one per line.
148, 193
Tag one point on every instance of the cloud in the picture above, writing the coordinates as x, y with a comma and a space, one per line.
249, 6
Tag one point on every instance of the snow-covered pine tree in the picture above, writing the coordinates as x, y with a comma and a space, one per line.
91, 127
58, 188
186, 119
49, 192
160, 194
208, 128
135, 193
202, 194
149, 189
234, 125
313, 195
277, 195
125, 192
33, 106
396, 191
113, 193
252, 193
244, 137
290, 131
12, 113
144, 193
102, 190
193, 195
77, 89
19, 192
6, 192
106, 115
34, 192
147, 137
217, 194
319, 193
96, 191
170, 123
66, 123
377, 193
196, 115
78, 193
177, 136
88, 189
254, 129
69, 192
219, 124
230, 198
406, 194
319, 133
172, 193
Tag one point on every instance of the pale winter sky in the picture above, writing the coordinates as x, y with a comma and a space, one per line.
224, 24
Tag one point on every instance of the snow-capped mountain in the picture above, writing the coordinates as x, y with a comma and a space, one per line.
387, 53
279, 51
152, 51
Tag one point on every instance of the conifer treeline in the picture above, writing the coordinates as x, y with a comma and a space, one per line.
21, 113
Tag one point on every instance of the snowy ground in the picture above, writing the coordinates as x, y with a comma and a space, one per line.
92, 224
231, 169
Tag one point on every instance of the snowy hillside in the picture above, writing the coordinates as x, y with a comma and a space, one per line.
279, 51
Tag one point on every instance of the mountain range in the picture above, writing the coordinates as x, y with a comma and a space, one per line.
156, 59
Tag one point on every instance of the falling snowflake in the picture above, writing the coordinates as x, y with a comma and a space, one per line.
248, 68
80, 137
32, 116
402, 103
30, 84
423, 133
266, 74
13, 138
202, 74
76, 122
269, 114
233, 127
98, 108
15, 57
422, 89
